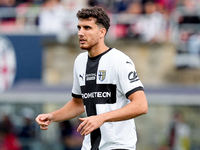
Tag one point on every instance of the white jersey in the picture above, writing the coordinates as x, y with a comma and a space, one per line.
105, 82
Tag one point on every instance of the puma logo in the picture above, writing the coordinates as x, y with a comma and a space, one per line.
81, 76
128, 62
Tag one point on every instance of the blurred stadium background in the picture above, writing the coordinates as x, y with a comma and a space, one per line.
38, 45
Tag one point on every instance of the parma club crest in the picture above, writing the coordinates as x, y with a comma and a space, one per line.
7, 64
102, 75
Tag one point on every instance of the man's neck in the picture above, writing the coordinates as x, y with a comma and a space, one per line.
97, 50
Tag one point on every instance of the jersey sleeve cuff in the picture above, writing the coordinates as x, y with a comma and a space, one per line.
134, 90
76, 96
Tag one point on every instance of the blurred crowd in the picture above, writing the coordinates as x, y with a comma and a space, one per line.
20, 132
13, 135
177, 136
146, 20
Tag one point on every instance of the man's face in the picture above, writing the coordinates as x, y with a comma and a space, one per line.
89, 33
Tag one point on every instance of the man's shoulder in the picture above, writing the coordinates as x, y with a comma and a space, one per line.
81, 59
82, 55
115, 51
116, 54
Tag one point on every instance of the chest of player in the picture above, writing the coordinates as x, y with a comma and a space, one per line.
95, 72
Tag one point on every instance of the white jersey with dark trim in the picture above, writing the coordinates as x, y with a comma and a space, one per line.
105, 83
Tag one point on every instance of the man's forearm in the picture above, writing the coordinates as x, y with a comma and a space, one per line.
70, 110
137, 107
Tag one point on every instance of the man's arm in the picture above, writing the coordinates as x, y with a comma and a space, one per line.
138, 106
72, 109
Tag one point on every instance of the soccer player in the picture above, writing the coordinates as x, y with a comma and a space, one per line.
105, 85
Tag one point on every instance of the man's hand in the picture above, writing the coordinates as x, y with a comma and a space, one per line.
44, 120
89, 124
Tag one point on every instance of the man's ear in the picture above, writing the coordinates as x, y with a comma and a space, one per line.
102, 33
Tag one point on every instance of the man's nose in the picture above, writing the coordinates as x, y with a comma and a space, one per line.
80, 32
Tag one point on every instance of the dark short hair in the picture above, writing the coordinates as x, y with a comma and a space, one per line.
95, 12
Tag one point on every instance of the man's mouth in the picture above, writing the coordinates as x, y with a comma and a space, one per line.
82, 41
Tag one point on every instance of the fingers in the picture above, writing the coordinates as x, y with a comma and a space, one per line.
86, 130
87, 126
81, 125
43, 120
42, 127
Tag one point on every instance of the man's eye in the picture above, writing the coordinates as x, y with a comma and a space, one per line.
87, 27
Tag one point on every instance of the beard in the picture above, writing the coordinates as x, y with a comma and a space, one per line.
88, 45
84, 47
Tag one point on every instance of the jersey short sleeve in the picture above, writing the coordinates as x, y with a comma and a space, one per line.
78, 74
129, 81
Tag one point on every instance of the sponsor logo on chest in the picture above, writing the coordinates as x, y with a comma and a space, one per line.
93, 76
